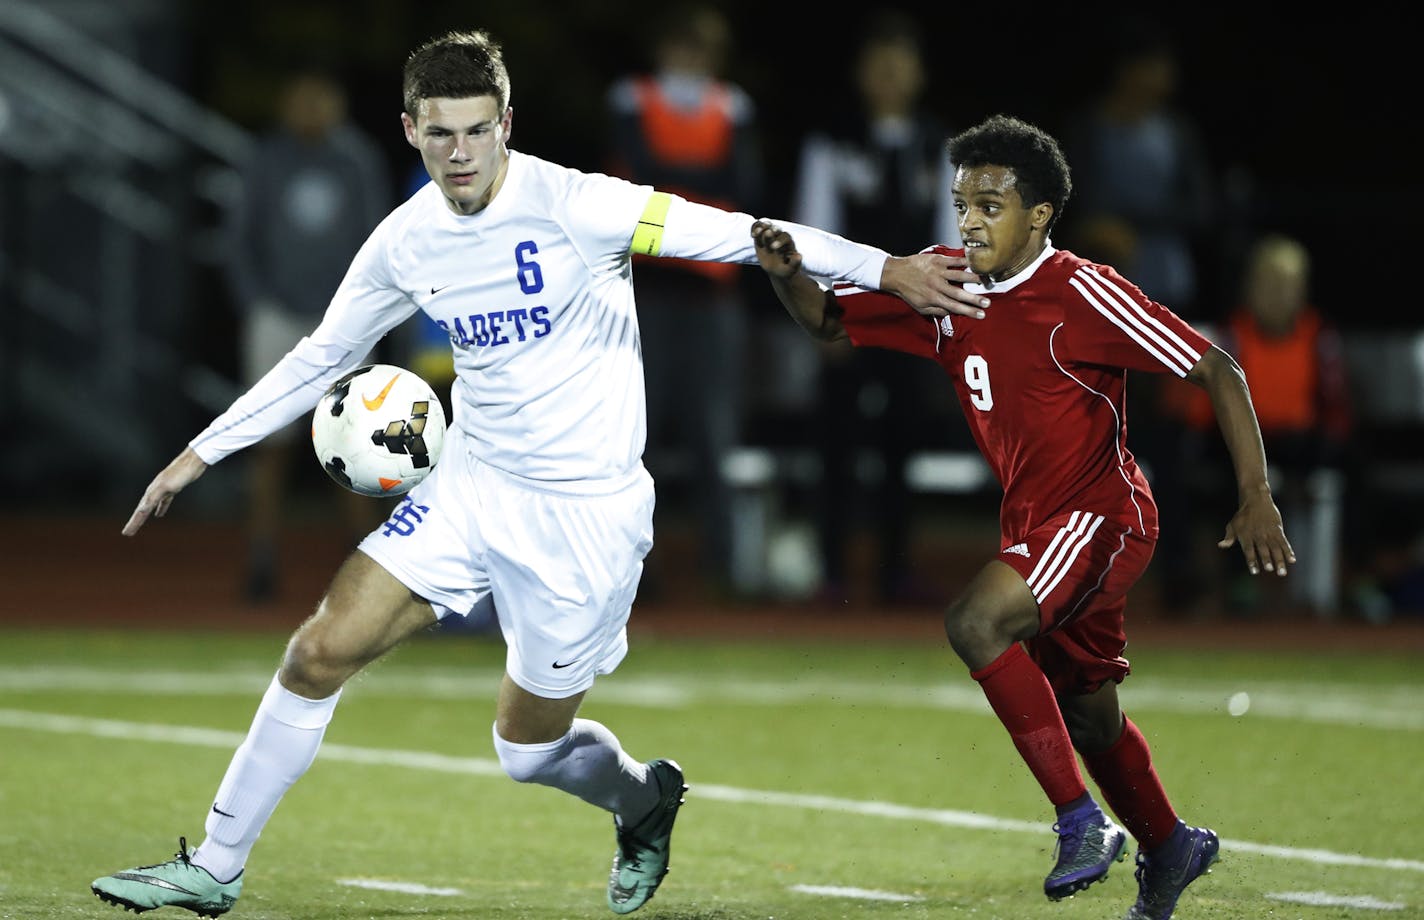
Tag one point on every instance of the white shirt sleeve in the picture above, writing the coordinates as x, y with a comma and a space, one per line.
288, 390
365, 307
708, 234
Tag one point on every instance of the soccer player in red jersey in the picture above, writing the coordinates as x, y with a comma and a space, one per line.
1042, 381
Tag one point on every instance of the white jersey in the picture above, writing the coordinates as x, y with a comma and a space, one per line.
536, 294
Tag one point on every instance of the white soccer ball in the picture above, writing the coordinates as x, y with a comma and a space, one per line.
378, 430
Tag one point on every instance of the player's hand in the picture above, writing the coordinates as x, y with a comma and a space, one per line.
1257, 527
776, 250
185, 468
933, 284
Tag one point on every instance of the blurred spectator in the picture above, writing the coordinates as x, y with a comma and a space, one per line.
685, 128
314, 189
880, 177
1294, 362
1143, 202
1141, 177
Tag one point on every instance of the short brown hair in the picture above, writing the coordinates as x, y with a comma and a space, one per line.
457, 65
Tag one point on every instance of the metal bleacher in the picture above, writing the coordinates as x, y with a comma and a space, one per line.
111, 178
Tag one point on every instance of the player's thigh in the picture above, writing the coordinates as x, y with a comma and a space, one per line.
366, 612
432, 540
1079, 567
565, 569
995, 609
1076, 563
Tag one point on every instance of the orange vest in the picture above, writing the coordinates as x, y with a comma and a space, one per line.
697, 138
1283, 373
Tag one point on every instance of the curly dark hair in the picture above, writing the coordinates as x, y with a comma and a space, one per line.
1030, 152
457, 65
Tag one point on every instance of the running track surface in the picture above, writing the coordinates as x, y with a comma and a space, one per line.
81, 572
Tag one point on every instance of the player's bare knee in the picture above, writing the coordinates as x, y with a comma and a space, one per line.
977, 635
311, 668
957, 622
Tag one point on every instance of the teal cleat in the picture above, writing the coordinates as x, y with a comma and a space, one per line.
643, 850
1088, 844
176, 883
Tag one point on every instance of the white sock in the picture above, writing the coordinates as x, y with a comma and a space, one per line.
587, 762
280, 745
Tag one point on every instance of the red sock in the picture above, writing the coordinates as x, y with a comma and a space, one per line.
1023, 700
1131, 788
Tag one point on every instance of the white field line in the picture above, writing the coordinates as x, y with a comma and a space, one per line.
1325, 899
1391, 707
441, 763
860, 894
376, 884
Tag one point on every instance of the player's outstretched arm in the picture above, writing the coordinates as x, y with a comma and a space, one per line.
804, 299
933, 284
1256, 525
174, 477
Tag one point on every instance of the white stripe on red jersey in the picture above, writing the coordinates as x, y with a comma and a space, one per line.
1066, 545
1120, 309
1042, 381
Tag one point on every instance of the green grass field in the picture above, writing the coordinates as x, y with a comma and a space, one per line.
827, 781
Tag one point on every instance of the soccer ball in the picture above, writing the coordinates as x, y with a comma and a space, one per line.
378, 430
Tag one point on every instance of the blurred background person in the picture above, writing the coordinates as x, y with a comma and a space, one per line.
686, 128
1143, 202
880, 177
1146, 201
310, 195
1295, 359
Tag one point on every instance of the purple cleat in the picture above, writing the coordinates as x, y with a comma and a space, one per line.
1162, 879
1088, 844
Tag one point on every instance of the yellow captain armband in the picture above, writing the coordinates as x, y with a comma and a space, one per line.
648, 237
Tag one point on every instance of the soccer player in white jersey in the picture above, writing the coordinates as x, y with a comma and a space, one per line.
539, 502
1042, 382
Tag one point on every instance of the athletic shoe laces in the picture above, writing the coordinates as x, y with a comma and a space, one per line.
1070, 835
630, 848
181, 856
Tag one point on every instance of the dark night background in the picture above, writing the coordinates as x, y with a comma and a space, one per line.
112, 188
1292, 107
1306, 121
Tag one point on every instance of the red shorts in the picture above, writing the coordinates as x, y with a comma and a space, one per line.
1079, 567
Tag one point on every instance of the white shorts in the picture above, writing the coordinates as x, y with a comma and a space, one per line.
561, 569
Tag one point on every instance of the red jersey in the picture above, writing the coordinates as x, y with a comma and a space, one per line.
1042, 380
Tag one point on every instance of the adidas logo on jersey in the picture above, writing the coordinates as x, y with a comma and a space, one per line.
946, 327
1018, 549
